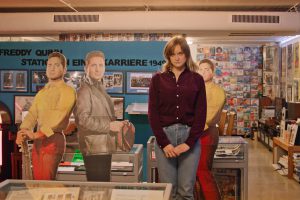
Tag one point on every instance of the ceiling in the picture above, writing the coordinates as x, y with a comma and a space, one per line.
155, 5
16, 6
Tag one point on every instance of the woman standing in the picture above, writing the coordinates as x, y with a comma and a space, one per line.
95, 119
177, 113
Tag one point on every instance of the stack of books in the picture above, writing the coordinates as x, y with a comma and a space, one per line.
296, 175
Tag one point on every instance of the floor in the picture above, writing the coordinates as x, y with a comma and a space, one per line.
263, 182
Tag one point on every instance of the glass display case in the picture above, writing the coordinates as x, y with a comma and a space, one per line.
126, 166
230, 166
63, 190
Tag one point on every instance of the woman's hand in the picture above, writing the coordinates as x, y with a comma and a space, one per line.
170, 151
181, 148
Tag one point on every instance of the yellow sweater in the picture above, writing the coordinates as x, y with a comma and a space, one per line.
51, 108
215, 97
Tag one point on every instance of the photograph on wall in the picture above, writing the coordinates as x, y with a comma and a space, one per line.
289, 91
138, 82
296, 60
269, 91
22, 104
118, 107
73, 78
113, 81
283, 72
14, 80
38, 80
8, 80
268, 78
290, 58
296, 90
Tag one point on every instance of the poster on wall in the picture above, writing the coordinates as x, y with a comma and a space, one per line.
289, 92
290, 60
113, 81
14, 81
38, 80
295, 90
283, 72
138, 82
296, 60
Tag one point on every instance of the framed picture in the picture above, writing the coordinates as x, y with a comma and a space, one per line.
73, 78
113, 81
118, 107
22, 103
138, 82
38, 80
14, 81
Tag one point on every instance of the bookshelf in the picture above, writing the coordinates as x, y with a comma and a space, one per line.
282, 148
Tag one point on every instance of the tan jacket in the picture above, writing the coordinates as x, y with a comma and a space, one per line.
93, 113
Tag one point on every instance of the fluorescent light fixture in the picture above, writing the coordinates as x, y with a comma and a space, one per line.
289, 38
68, 5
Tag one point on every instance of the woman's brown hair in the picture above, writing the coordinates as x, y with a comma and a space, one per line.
169, 50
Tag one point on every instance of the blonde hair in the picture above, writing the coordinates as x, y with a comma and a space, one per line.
169, 50
92, 54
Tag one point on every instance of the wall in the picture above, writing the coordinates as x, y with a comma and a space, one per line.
35, 54
290, 66
239, 72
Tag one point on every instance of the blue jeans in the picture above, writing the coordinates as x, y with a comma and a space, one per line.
180, 171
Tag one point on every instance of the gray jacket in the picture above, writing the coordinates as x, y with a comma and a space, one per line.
93, 113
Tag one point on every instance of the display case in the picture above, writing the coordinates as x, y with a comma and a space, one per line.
230, 166
126, 167
64, 190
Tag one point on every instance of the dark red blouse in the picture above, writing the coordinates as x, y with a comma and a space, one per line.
172, 102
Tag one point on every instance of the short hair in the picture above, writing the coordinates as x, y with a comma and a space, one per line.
61, 57
207, 61
169, 50
92, 54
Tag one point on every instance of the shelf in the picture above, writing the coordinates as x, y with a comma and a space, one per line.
280, 148
137, 109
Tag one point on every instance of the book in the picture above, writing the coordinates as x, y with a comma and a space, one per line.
293, 135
